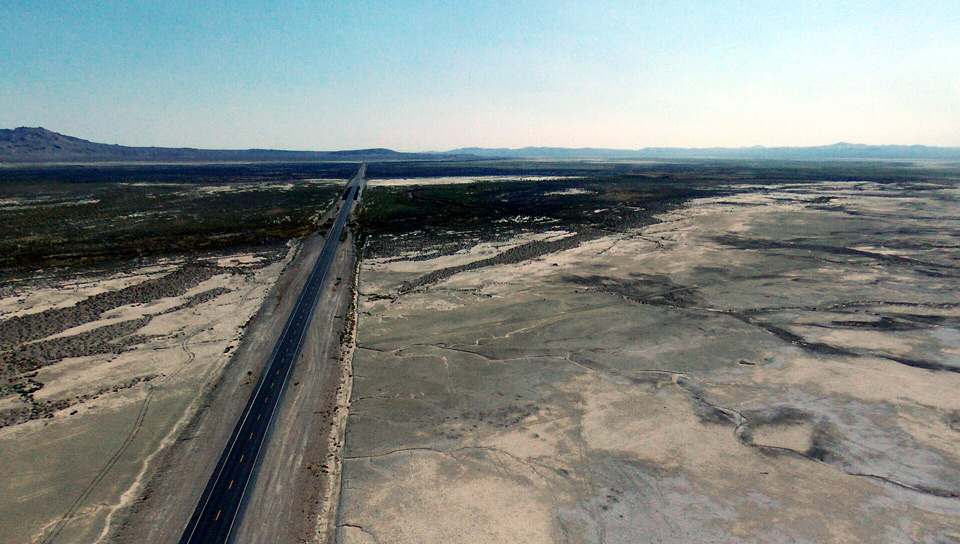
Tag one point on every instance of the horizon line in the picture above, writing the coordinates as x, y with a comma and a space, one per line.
505, 148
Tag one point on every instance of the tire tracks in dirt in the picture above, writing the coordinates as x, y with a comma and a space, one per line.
112, 461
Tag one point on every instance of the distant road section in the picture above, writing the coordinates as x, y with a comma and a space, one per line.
221, 504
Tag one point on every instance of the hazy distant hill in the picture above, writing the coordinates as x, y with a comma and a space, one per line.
836, 151
26, 144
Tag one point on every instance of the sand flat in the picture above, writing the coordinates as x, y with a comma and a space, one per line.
120, 410
645, 385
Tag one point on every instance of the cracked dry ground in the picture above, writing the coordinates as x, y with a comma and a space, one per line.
781, 365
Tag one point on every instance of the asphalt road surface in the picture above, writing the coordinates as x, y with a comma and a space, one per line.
221, 504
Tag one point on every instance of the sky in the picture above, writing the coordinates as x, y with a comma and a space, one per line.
418, 76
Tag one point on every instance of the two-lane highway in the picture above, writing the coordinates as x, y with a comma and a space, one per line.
221, 504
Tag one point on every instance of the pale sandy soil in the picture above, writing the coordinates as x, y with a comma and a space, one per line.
32, 299
455, 180
731, 374
571, 191
66, 476
247, 187
41, 202
393, 269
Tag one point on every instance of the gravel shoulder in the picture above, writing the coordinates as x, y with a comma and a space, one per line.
169, 499
299, 468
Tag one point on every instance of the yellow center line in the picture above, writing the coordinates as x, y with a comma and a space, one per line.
230, 486
241, 458
218, 515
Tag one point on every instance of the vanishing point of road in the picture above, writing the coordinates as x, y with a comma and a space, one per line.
221, 504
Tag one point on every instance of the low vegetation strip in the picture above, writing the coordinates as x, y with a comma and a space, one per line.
444, 219
21, 329
516, 254
111, 214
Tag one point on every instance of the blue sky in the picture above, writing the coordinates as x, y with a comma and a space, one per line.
440, 75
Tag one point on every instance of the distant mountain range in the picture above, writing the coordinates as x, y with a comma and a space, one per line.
35, 145
32, 145
836, 151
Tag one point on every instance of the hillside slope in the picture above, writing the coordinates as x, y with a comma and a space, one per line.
32, 145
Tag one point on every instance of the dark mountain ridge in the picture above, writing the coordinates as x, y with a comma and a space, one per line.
36, 145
